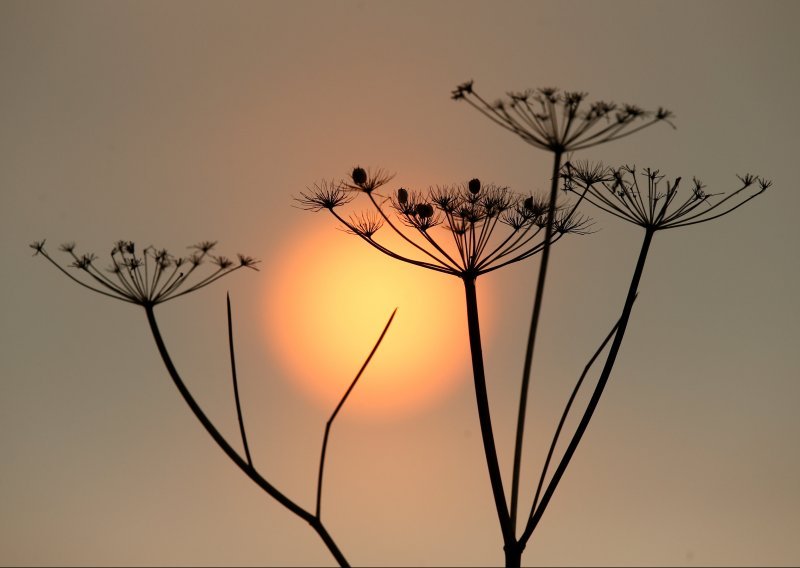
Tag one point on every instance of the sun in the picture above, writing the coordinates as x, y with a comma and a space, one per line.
327, 305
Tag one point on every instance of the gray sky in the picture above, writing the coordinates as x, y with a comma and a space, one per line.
169, 123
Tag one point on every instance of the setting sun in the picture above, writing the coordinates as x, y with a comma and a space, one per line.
330, 302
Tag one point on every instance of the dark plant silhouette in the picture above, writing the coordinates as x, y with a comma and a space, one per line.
465, 230
560, 122
654, 208
153, 277
456, 230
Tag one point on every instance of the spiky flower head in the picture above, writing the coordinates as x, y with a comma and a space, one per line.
149, 277
367, 180
561, 121
453, 229
324, 195
646, 198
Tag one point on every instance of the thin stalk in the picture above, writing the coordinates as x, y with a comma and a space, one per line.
270, 489
484, 415
339, 407
598, 390
236, 384
564, 415
526, 370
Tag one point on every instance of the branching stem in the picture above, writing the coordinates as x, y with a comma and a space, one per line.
248, 469
236, 384
598, 391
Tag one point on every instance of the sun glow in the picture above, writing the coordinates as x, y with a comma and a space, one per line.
327, 306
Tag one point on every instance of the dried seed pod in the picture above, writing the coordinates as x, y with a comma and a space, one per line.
474, 186
528, 203
424, 210
402, 196
359, 175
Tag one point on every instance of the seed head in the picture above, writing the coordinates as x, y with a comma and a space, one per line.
359, 175
469, 213
561, 121
324, 195
147, 278
425, 210
647, 199
367, 181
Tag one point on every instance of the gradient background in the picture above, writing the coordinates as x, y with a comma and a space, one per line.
169, 123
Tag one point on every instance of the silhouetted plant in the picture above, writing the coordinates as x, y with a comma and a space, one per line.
465, 217
155, 276
559, 122
454, 230
654, 208
464, 230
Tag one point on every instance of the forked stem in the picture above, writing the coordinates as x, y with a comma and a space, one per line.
248, 469
565, 413
236, 384
598, 391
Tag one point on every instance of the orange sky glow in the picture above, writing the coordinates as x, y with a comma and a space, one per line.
327, 306
169, 123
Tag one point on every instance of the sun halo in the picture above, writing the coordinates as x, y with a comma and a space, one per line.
327, 306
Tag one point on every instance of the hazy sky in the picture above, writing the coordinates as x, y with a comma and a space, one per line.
169, 123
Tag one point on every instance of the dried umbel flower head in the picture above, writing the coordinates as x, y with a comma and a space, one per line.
451, 229
367, 181
325, 195
149, 277
649, 199
561, 121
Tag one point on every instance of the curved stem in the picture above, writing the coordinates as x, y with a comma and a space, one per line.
526, 370
339, 407
484, 416
564, 415
598, 390
236, 384
270, 489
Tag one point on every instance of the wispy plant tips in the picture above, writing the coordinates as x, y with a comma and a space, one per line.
453, 229
147, 277
561, 121
646, 198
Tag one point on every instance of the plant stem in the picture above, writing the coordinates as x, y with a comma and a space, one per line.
484, 415
526, 370
339, 407
564, 415
513, 555
598, 391
270, 489
236, 384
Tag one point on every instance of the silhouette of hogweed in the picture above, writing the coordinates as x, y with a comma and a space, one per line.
470, 214
150, 277
561, 121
